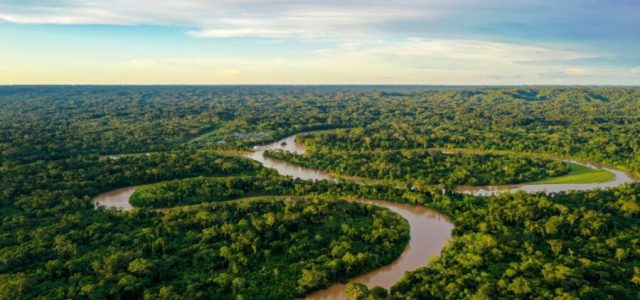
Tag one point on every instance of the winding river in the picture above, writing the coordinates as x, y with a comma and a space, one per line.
620, 178
429, 230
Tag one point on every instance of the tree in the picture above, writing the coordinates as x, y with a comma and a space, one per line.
13, 286
621, 254
356, 291
378, 293
312, 278
140, 266
64, 247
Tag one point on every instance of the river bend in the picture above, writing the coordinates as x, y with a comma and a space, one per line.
429, 230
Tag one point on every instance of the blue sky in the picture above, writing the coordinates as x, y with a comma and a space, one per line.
328, 42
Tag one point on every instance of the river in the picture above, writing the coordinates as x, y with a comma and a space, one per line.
429, 230
620, 178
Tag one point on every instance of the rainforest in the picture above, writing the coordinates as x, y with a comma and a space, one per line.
319, 192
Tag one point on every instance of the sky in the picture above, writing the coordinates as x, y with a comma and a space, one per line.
441, 42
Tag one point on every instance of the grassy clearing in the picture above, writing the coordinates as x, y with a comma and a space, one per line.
579, 174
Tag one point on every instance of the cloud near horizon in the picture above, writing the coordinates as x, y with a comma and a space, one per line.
451, 42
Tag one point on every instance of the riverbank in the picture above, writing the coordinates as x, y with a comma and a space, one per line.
424, 242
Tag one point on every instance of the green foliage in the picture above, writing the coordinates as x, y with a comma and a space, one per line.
206, 189
427, 167
55, 245
600, 124
559, 121
259, 249
215, 189
59, 122
356, 291
42, 184
573, 245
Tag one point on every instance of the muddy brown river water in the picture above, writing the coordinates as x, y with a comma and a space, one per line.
430, 230
620, 178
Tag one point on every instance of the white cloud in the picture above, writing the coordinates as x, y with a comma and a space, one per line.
223, 18
306, 18
369, 55
414, 60
447, 54
66, 17
239, 32
238, 18
308, 22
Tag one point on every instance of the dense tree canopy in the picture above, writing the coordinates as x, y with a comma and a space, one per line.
89, 175
428, 167
54, 242
57, 147
601, 124
572, 246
